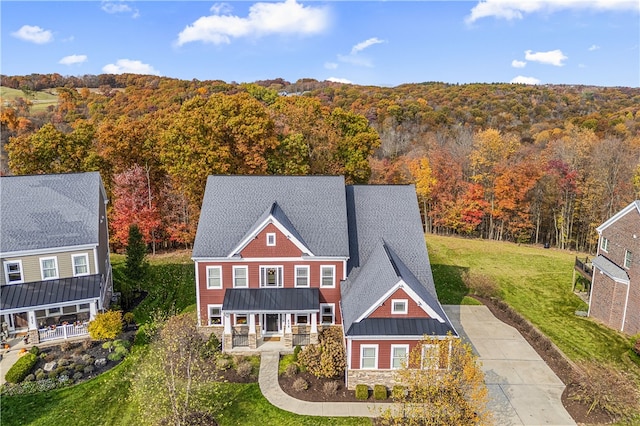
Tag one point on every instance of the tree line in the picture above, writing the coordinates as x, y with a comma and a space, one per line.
531, 164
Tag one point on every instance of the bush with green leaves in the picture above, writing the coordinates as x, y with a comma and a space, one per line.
211, 347
362, 392
21, 368
326, 359
34, 350
379, 392
106, 325
398, 392
244, 369
296, 352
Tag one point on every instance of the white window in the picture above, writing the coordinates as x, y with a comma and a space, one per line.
369, 357
628, 258
214, 277
49, 268
430, 356
80, 264
399, 306
327, 311
271, 239
83, 307
240, 276
52, 311
241, 319
13, 272
399, 356
215, 314
327, 276
302, 276
302, 319
604, 244
271, 276
69, 309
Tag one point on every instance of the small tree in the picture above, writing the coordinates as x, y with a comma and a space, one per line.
327, 358
106, 325
136, 265
444, 386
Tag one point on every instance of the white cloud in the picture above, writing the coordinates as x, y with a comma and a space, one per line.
552, 57
525, 80
73, 59
593, 47
357, 60
111, 7
339, 80
33, 34
364, 44
518, 64
287, 17
516, 9
127, 66
330, 65
220, 8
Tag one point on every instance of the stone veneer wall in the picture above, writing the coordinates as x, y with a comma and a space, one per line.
371, 378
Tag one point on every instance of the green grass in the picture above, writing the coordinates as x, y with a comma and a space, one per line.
40, 100
537, 283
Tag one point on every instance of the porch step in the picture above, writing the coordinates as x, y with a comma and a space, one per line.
271, 339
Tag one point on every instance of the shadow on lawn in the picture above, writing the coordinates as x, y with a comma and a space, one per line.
449, 284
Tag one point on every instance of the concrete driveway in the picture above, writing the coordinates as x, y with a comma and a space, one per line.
523, 390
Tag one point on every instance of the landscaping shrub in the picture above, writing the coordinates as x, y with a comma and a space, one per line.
298, 348
300, 384
115, 356
398, 392
106, 325
29, 378
41, 375
128, 318
65, 346
21, 368
330, 388
89, 369
211, 347
77, 376
379, 392
87, 344
53, 374
326, 359
291, 370
244, 369
223, 363
34, 350
362, 392
63, 362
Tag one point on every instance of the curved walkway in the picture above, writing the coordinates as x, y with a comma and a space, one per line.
523, 390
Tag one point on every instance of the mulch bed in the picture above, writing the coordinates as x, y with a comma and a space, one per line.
315, 391
554, 358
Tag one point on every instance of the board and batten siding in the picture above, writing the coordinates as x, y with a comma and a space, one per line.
31, 265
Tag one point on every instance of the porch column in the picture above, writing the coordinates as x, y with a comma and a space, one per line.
92, 311
313, 335
288, 335
253, 342
227, 340
31, 315
287, 323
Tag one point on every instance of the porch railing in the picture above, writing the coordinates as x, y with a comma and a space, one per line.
301, 339
63, 331
584, 267
240, 339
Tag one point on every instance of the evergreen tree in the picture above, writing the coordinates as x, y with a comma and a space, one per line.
136, 265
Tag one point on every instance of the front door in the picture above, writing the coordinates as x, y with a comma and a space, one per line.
271, 324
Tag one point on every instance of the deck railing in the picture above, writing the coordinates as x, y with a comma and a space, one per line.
584, 267
63, 331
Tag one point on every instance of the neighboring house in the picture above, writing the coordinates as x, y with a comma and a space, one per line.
282, 257
615, 286
56, 271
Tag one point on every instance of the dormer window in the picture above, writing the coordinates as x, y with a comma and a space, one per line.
271, 239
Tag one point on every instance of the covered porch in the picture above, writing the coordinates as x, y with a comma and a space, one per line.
253, 318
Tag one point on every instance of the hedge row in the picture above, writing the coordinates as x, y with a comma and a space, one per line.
21, 368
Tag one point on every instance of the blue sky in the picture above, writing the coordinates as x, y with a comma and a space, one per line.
386, 43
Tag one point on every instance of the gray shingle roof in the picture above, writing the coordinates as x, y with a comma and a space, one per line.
400, 327
611, 269
232, 206
271, 300
46, 211
387, 244
42, 293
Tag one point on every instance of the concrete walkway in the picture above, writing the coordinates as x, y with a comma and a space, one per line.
523, 390
268, 380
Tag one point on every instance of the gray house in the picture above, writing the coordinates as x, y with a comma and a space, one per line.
54, 251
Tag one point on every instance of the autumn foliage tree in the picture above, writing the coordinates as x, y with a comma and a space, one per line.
106, 325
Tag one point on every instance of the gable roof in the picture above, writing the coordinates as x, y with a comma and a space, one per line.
387, 247
633, 206
49, 211
233, 205
610, 269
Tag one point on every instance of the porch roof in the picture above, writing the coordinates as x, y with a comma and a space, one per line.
37, 294
611, 269
278, 300
400, 327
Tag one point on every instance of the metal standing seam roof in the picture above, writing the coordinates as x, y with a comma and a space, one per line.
400, 327
279, 300
313, 205
611, 269
45, 211
41, 293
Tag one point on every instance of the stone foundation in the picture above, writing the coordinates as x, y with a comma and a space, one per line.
371, 378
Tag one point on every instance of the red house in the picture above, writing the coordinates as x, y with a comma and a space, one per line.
281, 257
615, 285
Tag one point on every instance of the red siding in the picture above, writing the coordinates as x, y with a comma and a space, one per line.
259, 248
384, 351
413, 311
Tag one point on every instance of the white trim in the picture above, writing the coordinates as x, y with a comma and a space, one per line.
212, 267
624, 312
48, 250
297, 314
48, 306
303, 258
97, 266
209, 314
296, 276
244, 314
73, 264
270, 219
375, 358
271, 239
246, 275
404, 346
412, 294
198, 296
55, 264
6, 272
263, 276
333, 313
624, 262
333, 275
604, 247
634, 205
401, 312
